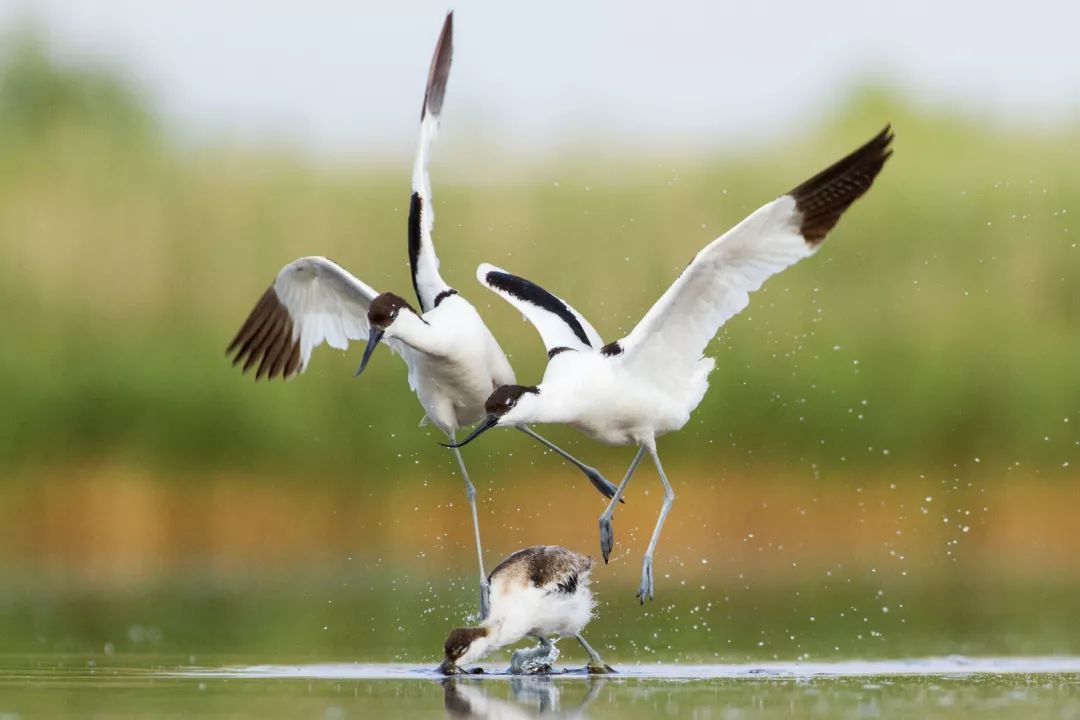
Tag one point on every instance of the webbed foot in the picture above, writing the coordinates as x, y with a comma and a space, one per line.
646, 589
607, 537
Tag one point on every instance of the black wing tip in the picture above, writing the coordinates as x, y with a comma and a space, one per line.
266, 339
439, 72
824, 198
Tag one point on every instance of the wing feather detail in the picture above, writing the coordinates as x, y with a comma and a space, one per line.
716, 285
559, 325
423, 261
312, 301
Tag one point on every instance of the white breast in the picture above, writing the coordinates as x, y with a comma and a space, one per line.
453, 385
603, 399
534, 611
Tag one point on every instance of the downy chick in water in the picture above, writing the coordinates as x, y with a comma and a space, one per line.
542, 592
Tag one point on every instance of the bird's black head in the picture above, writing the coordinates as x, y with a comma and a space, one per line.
384, 310
498, 404
506, 397
463, 645
381, 314
460, 640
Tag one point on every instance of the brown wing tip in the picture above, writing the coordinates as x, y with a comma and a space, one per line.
822, 199
266, 338
439, 71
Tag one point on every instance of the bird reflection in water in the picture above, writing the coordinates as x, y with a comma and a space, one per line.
530, 696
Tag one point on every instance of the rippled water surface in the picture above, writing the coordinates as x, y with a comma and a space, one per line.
154, 687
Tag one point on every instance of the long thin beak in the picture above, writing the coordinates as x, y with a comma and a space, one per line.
489, 422
372, 342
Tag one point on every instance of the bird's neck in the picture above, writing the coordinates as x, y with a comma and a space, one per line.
410, 329
557, 403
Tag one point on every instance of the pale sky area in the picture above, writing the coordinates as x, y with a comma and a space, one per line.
339, 77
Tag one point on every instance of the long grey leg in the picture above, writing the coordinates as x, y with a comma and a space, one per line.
607, 489
470, 492
596, 663
646, 562
607, 537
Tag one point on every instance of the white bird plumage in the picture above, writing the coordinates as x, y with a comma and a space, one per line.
454, 361
541, 592
559, 325
645, 385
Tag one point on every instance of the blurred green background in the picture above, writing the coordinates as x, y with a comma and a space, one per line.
885, 465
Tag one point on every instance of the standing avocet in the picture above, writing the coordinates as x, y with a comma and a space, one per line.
454, 361
647, 384
542, 592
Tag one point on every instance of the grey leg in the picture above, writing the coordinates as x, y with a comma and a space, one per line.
607, 537
596, 664
470, 492
607, 489
646, 562
595, 686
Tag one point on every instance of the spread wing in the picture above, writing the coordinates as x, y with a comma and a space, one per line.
716, 284
559, 325
313, 300
427, 282
548, 567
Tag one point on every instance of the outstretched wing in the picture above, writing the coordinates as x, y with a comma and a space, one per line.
427, 282
559, 325
550, 568
716, 284
313, 300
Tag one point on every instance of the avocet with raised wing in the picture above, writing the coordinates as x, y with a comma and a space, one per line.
454, 361
633, 390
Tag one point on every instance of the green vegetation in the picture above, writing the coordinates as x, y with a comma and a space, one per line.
939, 324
